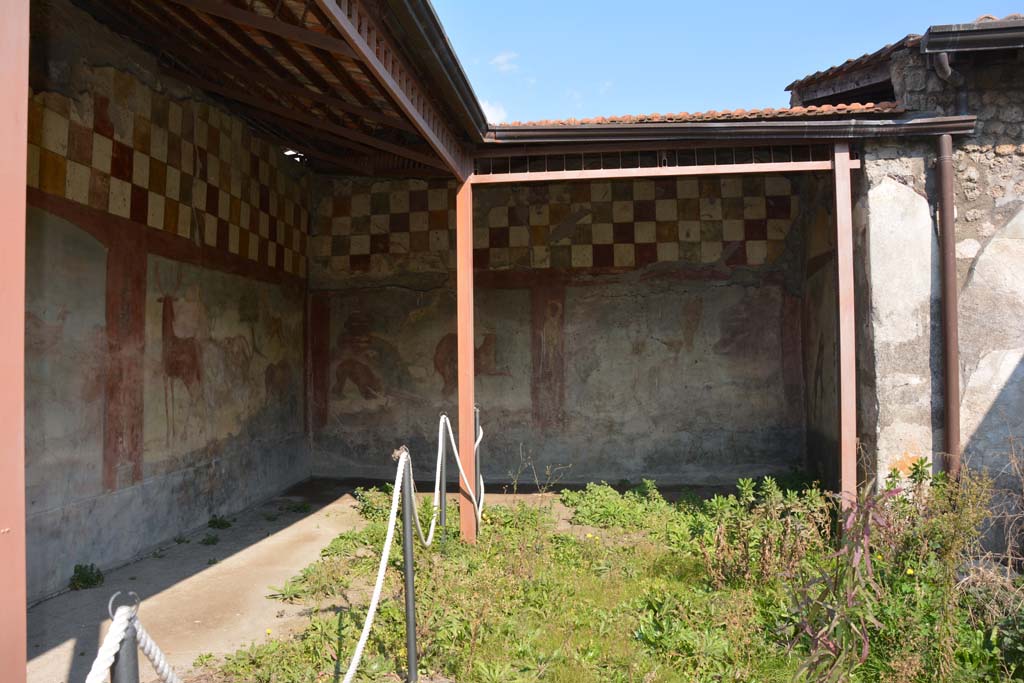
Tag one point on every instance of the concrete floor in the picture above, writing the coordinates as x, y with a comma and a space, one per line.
190, 606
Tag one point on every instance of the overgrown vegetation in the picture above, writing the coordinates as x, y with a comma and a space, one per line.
766, 584
209, 539
85, 576
219, 522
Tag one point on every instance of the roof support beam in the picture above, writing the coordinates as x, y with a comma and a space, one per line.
242, 17
659, 171
380, 58
846, 339
466, 350
14, 39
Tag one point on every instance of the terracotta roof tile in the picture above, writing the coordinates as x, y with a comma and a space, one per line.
989, 17
767, 114
883, 53
857, 63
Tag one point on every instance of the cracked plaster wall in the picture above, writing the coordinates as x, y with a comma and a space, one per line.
901, 390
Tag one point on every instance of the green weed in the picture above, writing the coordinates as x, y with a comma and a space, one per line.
218, 522
736, 588
85, 576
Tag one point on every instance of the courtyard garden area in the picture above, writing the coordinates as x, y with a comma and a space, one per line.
769, 583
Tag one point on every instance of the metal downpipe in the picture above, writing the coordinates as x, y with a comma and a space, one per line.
950, 323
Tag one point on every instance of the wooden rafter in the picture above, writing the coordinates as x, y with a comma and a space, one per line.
223, 30
270, 25
374, 49
360, 140
134, 22
289, 88
328, 62
325, 23
226, 46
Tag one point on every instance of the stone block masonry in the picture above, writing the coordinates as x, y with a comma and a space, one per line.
901, 386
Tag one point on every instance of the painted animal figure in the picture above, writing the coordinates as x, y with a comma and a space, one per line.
238, 356
180, 356
446, 360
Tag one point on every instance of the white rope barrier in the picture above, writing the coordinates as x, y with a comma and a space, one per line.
403, 457
155, 655
111, 644
381, 570
445, 425
124, 617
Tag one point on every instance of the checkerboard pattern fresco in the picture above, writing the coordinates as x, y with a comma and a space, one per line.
176, 165
384, 226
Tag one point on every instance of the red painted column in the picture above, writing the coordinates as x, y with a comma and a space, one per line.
13, 162
126, 333
846, 339
318, 377
467, 396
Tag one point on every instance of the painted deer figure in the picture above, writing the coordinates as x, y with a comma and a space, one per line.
180, 357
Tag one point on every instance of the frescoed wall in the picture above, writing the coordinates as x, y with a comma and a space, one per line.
628, 329
165, 306
65, 370
220, 350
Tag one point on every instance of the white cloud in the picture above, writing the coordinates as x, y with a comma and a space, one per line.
505, 62
495, 112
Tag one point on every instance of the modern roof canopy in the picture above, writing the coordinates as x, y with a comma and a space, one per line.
376, 88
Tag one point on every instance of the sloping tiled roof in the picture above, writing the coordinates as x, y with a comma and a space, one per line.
769, 114
849, 65
988, 17
882, 54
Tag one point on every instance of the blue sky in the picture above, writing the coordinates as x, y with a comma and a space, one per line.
537, 59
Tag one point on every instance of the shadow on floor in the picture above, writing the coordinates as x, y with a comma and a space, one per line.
76, 616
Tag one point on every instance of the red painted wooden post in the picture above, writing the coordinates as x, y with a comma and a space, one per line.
13, 162
847, 350
467, 397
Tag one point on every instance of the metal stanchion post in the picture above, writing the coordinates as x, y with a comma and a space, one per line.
478, 485
125, 668
443, 435
410, 587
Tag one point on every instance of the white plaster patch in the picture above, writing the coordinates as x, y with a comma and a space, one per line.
991, 406
902, 251
999, 269
1014, 229
967, 248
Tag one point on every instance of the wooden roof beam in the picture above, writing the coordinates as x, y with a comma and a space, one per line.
355, 139
356, 89
242, 17
301, 91
357, 26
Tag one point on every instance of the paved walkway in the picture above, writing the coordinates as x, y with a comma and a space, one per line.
190, 606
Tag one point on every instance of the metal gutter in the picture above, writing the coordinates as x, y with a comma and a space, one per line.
985, 35
836, 129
